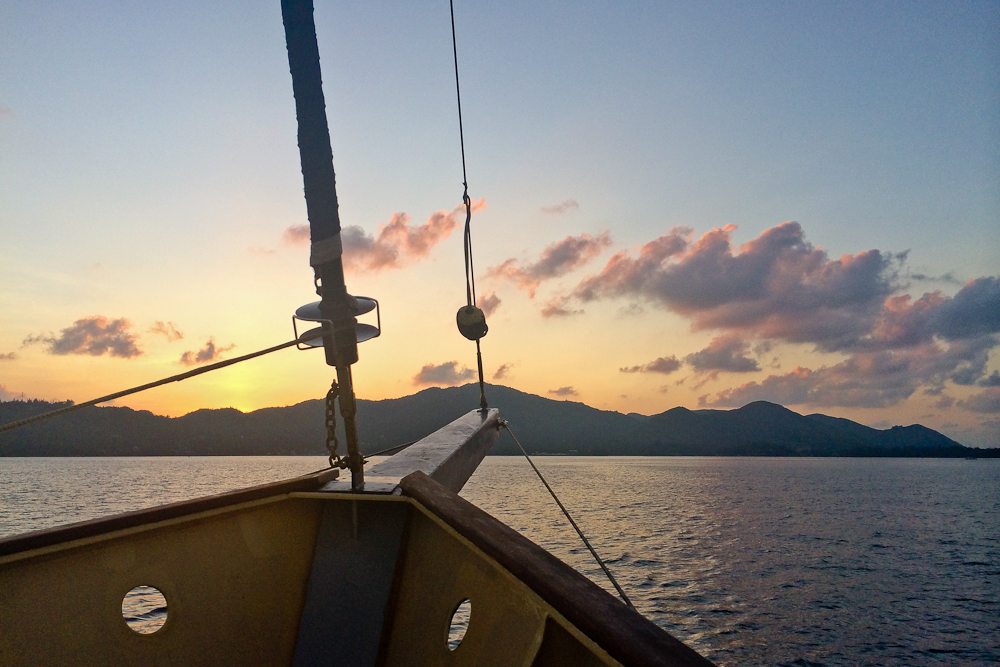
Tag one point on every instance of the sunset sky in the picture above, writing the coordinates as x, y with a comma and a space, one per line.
685, 203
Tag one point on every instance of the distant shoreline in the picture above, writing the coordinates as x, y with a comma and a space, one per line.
545, 427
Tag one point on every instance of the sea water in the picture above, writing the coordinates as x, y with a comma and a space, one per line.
752, 561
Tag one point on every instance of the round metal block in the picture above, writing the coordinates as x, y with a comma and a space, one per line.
310, 312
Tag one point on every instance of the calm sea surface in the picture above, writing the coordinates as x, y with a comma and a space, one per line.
751, 561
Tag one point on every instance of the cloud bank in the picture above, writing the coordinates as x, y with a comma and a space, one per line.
780, 288
556, 260
447, 374
724, 354
206, 354
94, 336
396, 244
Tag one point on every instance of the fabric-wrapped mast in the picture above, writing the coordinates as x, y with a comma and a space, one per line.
336, 305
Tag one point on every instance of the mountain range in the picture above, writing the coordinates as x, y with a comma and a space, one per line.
543, 425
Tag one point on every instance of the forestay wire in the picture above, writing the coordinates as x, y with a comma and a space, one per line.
309, 335
593, 552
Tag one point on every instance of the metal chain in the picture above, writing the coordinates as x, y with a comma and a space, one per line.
331, 429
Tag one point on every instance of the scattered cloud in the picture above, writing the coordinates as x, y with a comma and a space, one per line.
564, 391
631, 310
664, 365
556, 260
396, 243
948, 278
776, 286
95, 336
7, 395
167, 329
206, 354
503, 371
8, 356
447, 373
264, 252
873, 380
944, 402
992, 381
724, 354
987, 402
488, 303
558, 209
297, 235
780, 288
557, 308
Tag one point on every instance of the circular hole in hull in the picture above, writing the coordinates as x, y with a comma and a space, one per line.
144, 609
459, 625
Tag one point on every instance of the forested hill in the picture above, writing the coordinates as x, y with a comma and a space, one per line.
543, 425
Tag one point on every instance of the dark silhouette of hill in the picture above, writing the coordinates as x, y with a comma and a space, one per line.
543, 425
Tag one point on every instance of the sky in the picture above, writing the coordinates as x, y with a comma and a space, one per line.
695, 204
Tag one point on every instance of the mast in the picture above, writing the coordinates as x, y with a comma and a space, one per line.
337, 306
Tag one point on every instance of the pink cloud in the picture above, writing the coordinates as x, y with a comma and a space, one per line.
167, 329
447, 374
987, 402
724, 354
557, 307
396, 243
775, 286
664, 365
297, 234
95, 336
564, 391
503, 371
206, 354
488, 303
556, 260
558, 209
870, 379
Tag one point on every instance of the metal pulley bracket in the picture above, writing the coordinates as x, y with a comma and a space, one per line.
311, 313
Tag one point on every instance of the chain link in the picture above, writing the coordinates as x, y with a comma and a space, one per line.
331, 429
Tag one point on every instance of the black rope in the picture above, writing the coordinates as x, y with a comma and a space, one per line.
458, 95
391, 450
470, 278
173, 378
579, 532
470, 271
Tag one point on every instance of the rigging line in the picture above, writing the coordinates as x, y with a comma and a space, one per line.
614, 582
470, 270
458, 94
173, 378
470, 276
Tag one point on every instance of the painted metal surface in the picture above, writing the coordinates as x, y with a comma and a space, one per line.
351, 582
508, 624
234, 580
585, 607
